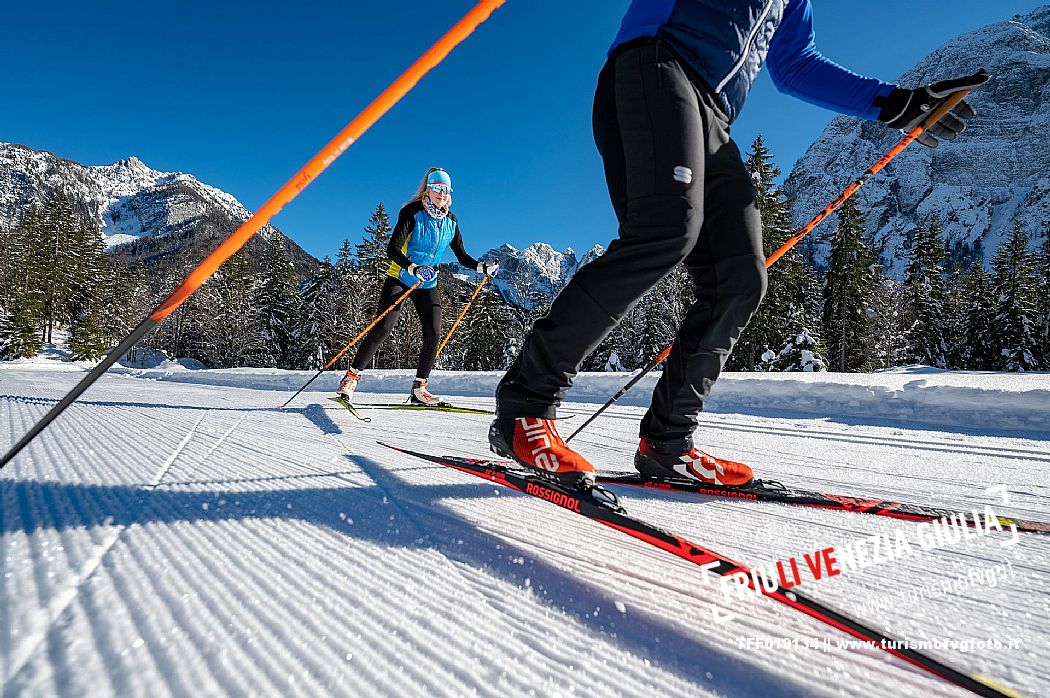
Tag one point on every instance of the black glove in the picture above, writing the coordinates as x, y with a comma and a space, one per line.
905, 109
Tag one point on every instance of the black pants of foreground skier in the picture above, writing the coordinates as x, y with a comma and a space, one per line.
681, 193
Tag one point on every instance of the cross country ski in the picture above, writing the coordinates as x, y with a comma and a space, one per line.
599, 508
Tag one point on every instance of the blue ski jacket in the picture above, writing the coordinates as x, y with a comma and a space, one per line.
419, 238
725, 43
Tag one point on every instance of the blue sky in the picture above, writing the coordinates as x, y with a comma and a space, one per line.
240, 94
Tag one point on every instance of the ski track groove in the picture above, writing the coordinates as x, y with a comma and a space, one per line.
52, 609
436, 512
720, 423
214, 446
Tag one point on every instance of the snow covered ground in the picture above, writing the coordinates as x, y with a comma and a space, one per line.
175, 534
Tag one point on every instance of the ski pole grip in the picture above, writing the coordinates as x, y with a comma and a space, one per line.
939, 113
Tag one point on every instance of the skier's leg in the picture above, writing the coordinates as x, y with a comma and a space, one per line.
650, 132
392, 290
729, 277
428, 307
427, 302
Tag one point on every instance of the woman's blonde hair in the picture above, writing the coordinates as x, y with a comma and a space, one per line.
423, 186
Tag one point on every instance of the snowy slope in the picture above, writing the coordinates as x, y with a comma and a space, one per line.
169, 537
994, 174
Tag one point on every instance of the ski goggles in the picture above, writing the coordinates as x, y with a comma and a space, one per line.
440, 189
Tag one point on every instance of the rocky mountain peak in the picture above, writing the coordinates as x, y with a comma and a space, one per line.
996, 173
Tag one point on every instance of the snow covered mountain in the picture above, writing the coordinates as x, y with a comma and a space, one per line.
998, 172
530, 277
143, 214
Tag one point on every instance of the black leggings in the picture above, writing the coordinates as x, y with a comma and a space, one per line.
428, 307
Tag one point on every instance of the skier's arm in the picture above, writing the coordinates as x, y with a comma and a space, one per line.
798, 69
406, 223
461, 254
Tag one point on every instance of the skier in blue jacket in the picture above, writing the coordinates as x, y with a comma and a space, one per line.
677, 75
426, 228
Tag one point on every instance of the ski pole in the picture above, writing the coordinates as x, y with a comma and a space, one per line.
354, 341
935, 116
893, 152
652, 364
461, 315
310, 171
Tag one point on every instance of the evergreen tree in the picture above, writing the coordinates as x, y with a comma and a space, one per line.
344, 259
90, 295
791, 305
977, 350
319, 329
1043, 303
227, 319
849, 290
486, 331
926, 330
59, 260
276, 303
654, 321
765, 330
372, 262
352, 311
1015, 280
887, 343
801, 352
22, 299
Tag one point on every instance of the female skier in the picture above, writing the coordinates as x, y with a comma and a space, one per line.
425, 228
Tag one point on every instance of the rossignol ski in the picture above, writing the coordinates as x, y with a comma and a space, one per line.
612, 515
773, 491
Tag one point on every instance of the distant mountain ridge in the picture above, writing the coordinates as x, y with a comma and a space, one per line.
529, 277
997, 172
144, 215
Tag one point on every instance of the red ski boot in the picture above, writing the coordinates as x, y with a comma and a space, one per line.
535, 443
657, 461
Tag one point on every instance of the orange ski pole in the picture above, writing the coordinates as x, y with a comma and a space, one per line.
351, 132
893, 152
461, 316
354, 341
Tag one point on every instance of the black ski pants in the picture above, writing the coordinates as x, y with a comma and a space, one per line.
681, 194
427, 302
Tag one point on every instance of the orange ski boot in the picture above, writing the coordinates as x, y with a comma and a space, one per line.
534, 442
678, 460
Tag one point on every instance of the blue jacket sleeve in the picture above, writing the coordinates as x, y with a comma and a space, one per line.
798, 69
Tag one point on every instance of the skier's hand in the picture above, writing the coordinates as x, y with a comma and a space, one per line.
424, 274
905, 109
488, 268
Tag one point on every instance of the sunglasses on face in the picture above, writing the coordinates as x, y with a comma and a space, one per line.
441, 189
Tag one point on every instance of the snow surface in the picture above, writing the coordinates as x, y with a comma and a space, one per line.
175, 534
